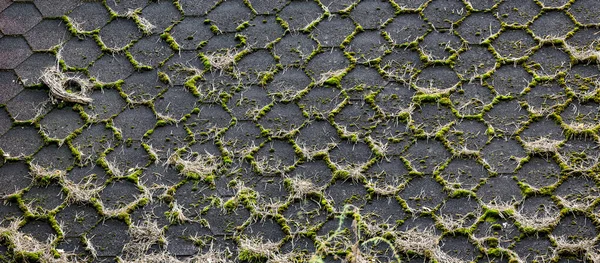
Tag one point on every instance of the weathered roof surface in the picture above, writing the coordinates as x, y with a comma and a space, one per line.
299, 131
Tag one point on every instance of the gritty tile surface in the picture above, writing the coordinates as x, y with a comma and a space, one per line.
299, 131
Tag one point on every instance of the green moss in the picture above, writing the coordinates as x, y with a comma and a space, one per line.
315, 259
266, 78
151, 154
202, 44
215, 29
341, 175
283, 23
248, 197
252, 257
162, 123
242, 26
164, 78
136, 64
190, 84
491, 215
171, 41
461, 193
209, 179
134, 177
334, 81
490, 130
26, 256
231, 204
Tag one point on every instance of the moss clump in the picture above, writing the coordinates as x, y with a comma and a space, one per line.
164, 78
252, 257
170, 41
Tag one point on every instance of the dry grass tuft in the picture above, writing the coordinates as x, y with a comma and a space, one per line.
81, 193
255, 248
435, 91
398, 71
354, 172
379, 147
76, 25
203, 165
58, 83
578, 164
153, 258
582, 203
166, 117
302, 187
309, 152
455, 222
211, 256
542, 145
500, 205
23, 244
143, 23
40, 173
383, 187
564, 244
187, 69
441, 256
329, 74
588, 53
543, 218
176, 215
153, 152
222, 60
418, 241
580, 127
463, 151
289, 257
266, 165
89, 247
264, 207
546, 110
113, 168
143, 236
593, 254
401, 110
